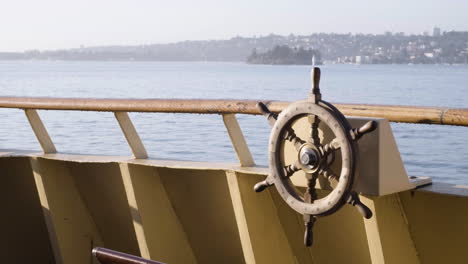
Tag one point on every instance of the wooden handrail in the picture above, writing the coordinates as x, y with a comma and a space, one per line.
405, 114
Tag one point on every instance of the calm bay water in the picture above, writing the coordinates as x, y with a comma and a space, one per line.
427, 150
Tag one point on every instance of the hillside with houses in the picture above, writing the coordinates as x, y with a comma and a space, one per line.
397, 48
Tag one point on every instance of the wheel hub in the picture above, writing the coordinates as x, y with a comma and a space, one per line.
309, 158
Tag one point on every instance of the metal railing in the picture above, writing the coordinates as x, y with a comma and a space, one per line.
227, 108
107, 256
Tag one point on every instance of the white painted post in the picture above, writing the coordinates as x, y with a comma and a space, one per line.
40, 131
238, 140
131, 135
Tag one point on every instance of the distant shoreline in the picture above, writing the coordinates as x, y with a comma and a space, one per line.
389, 48
237, 62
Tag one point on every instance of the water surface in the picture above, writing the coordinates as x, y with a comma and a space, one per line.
428, 150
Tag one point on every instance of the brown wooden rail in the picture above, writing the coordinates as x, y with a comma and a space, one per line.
406, 114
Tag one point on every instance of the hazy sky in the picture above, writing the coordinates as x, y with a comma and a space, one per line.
54, 24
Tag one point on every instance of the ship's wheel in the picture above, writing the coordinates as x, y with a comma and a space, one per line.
314, 157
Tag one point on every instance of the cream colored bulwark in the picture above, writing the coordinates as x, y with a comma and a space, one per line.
24, 237
84, 206
262, 236
158, 230
209, 213
71, 229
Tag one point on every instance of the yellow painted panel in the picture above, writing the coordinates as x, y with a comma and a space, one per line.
268, 240
101, 188
201, 201
338, 238
85, 205
72, 231
388, 232
24, 236
160, 234
438, 225
293, 226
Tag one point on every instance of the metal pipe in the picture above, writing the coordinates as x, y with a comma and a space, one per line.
405, 114
107, 256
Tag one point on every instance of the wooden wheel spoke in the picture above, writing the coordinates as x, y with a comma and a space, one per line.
314, 133
354, 200
332, 146
289, 170
310, 194
357, 133
271, 117
291, 136
330, 176
309, 221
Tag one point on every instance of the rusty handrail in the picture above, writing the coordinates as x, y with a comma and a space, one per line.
404, 114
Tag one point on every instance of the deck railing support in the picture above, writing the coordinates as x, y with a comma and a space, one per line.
40, 131
131, 135
238, 140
